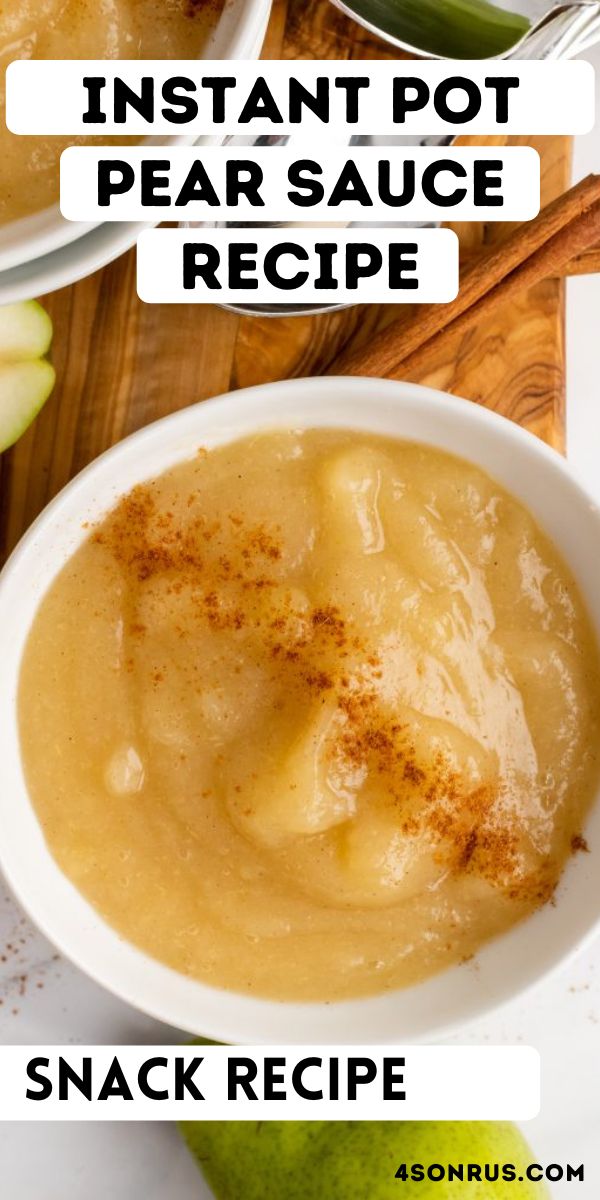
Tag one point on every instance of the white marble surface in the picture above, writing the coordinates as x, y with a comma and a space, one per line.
45, 1000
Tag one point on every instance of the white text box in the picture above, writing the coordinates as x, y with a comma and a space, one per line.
364, 184
177, 266
141, 1083
188, 97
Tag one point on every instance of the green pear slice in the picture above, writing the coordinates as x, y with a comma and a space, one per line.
25, 331
24, 388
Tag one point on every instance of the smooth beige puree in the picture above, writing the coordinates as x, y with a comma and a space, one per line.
82, 29
313, 715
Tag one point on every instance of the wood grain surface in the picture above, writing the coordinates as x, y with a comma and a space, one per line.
121, 364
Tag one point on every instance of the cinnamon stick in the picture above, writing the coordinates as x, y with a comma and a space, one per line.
563, 232
585, 264
547, 263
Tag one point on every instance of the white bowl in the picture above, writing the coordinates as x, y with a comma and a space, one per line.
524, 465
27, 245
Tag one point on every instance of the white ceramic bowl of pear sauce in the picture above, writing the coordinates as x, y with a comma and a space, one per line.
520, 462
43, 252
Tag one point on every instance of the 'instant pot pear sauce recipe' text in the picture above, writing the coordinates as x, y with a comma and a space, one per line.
313, 715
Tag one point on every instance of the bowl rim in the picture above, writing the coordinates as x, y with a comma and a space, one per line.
238, 34
508, 966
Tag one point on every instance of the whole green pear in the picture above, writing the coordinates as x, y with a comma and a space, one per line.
355, 1160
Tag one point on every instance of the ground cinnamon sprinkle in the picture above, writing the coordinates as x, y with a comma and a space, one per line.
319, 680
433, 800
579, 844
330, 619
228, 576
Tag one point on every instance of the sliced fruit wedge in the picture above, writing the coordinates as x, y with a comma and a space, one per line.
26, 377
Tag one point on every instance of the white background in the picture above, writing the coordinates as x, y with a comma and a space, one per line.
147, 1162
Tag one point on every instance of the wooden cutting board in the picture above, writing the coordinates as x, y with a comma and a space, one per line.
121, 364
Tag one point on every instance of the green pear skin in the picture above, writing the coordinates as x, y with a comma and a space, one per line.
354, 1160
25, 331
26, 376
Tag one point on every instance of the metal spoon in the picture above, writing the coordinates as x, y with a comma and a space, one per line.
508, 29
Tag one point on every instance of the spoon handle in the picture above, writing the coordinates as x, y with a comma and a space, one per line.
562, 33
